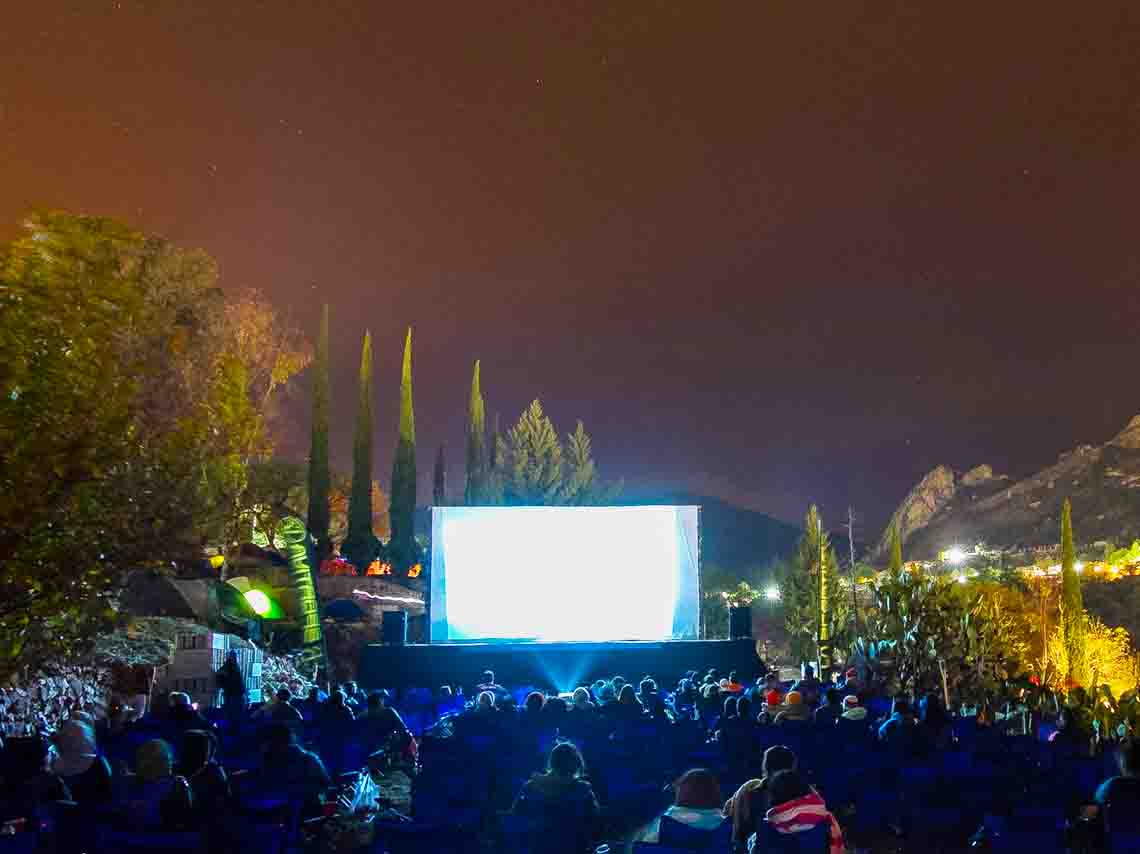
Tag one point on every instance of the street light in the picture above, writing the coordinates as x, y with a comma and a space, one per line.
956, 555
772, 594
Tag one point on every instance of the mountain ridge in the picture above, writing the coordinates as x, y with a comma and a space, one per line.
950, 508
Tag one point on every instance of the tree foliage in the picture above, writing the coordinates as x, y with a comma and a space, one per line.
402, 547
534, 467
360, 544
475, 489
133, 398
439, 479
319, 477
1072, 605
896, 559
813, 601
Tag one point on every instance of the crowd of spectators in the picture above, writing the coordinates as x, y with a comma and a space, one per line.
185, 781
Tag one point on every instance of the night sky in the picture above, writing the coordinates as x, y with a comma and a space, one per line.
773, 252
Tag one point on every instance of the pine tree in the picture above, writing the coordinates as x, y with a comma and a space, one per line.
319, 479
896, 563
1072, 604
475, 487
534, 474
439, 480
403, 506
814, 609
580, 482
360, 544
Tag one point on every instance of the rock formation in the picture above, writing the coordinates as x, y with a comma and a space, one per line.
1102, 481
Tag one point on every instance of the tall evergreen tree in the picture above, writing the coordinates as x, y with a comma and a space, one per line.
360, 545
475, 488
1072, 603
534, 470
439, 480
403, 506
814, 609
896, 563
319, 479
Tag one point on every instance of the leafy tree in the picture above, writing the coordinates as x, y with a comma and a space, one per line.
439, 480
1072, 606
815, 609
404, 551
319, 477
919, 617
360, 544
475, 487
133, 398
896, 562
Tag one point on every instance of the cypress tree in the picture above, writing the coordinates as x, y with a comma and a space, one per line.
319, 481
439, 480
403, 503
360, 541
1072, 604
475, 488
896, 563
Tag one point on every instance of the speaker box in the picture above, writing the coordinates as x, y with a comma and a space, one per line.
394, 628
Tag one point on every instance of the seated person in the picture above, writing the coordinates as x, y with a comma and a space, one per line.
153, 798
86, 774
809, 687
530, 716
209, 785
827, 714
898, 731
797, 808
26, 783
282, 708
752, 800
795, 709
561, 791
183, 714
288, 768
628, 709
1122, 793
696, 804
336, 711
773, 690
487, 683
854, 717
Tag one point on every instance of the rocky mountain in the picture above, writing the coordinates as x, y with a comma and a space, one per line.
947, 507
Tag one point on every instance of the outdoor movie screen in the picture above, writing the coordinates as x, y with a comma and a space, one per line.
564, 573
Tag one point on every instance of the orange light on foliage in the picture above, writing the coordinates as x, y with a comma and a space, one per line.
415, 571
377, 568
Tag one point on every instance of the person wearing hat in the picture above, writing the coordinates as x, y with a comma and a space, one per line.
795, 709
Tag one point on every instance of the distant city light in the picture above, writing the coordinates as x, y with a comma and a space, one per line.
961, 578
956, 555
259, 602
1079, 566
772, 594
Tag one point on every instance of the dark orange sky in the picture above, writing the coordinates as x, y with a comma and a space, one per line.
777, 252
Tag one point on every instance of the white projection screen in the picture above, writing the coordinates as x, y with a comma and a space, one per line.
564, 573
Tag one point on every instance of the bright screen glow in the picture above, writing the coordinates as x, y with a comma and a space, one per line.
564, 573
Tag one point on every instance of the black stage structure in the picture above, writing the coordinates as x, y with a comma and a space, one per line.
549, 665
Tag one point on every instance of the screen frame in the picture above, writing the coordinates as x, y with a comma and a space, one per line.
436, 595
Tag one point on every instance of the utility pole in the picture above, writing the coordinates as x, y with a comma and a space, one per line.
824, 657
851, 566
